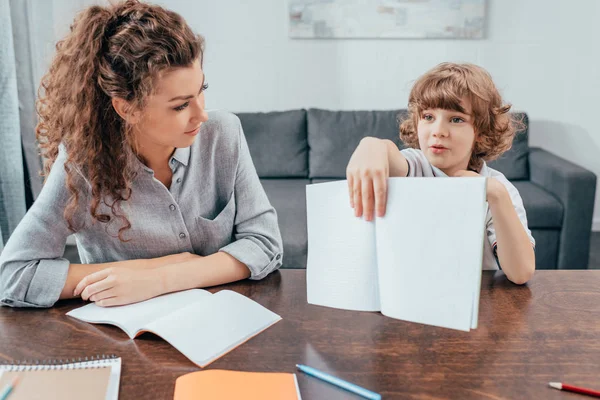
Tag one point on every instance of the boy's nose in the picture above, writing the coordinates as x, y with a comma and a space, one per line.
440, 130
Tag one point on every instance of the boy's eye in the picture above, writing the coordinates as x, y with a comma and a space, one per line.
427, 117
457, 120
182, 107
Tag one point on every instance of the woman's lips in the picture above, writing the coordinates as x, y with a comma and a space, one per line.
193, 132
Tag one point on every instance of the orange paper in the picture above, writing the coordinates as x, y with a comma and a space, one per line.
222, 384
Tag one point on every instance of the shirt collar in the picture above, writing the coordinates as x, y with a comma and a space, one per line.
182, 155
439, 173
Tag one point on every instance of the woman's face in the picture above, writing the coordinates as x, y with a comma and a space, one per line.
174, 113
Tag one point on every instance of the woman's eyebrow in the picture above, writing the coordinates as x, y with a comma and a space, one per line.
184, 97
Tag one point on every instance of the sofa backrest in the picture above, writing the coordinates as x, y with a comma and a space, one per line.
333, 136
278, 143
514, 164
318, 143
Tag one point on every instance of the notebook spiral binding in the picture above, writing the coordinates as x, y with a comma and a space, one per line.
98, 361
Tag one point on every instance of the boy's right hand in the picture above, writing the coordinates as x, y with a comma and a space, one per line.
367, 174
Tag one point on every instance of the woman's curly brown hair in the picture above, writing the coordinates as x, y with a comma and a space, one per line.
444, 87
116, 51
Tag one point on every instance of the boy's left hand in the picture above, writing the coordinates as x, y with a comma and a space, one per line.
493, 186
118, 286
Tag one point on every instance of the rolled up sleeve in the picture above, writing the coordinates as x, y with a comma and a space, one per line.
257, 237
32, 270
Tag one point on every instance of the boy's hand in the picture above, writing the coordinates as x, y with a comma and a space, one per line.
493, 186
367, 174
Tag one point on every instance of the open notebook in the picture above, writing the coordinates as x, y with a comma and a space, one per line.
94, 379
222, 384
421, 262
201, 325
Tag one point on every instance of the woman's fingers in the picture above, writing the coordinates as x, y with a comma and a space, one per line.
90, 279
95, 288
111, 301
104, 294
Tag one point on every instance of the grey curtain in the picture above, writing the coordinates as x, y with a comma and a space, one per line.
12, 188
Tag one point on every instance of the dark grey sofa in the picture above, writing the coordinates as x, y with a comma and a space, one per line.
294, 148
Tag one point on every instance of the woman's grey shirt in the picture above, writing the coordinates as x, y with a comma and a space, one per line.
215, 203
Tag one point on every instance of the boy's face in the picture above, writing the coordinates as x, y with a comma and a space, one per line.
446, 137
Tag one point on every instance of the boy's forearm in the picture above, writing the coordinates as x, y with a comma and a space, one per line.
397, 162
514, 249
216, 269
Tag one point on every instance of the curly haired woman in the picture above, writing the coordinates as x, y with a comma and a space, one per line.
160, 194
456, 123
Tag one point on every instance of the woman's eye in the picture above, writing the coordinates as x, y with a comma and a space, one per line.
457, 120
428, 117
181, 107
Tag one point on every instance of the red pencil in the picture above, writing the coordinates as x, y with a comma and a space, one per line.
574, 389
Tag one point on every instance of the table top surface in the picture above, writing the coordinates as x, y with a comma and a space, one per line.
547, 330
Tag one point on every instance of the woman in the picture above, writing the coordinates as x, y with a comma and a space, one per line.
161, 195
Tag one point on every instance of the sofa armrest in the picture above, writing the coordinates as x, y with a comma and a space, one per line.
575, 187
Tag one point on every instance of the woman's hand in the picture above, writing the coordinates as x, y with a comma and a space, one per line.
367, 174
118, 286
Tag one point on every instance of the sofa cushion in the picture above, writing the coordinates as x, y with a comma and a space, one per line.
546, 248
542, 208
514, 163
277, 143
288, 196
333, 136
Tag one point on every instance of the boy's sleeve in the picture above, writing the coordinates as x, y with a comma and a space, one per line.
418, 165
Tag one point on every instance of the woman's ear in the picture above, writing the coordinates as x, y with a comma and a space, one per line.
126, 110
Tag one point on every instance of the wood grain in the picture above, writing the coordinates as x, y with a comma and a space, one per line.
547, 330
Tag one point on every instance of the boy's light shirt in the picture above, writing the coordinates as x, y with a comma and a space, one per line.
419, 166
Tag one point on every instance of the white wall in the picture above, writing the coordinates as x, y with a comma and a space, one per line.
543, 55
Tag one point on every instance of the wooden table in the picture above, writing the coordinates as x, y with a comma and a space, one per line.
548, 330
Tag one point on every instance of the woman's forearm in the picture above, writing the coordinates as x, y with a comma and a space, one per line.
514, 249
79, 271
216, 269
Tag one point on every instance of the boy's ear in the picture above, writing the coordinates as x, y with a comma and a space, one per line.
126, 110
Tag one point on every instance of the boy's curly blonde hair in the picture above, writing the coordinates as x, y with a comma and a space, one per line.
444, 87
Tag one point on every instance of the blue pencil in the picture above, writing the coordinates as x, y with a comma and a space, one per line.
9, 388
351, 387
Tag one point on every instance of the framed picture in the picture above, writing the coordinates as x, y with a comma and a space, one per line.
409, 19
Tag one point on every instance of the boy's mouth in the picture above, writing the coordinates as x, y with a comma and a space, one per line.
438, 148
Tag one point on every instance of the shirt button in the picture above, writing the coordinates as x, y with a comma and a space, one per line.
172, 207
278, 256
172, 161
182, 235
178, 180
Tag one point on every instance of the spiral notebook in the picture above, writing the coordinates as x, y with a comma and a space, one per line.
96, 378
